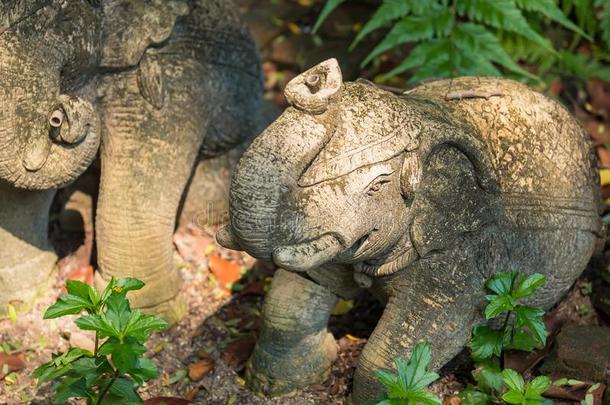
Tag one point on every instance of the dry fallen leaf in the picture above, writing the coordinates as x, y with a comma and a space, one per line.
200, 369
10, 363
225, 272
237, 353
167, 401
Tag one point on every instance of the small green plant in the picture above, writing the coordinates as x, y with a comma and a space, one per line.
520, 392
484, 37
522, 329
525, 333
117, 366
408, 387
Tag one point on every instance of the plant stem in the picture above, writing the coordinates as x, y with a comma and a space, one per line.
97, 341
106, 389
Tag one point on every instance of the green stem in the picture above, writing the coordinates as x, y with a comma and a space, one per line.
106, 389
97, 341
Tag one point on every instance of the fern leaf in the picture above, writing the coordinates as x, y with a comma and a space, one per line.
329, 7
549, 9
414, 28
604, 20
502, 14
475, 39
390, 10
584, 67
430, 53
585, 15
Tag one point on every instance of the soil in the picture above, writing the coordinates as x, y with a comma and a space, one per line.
212, 343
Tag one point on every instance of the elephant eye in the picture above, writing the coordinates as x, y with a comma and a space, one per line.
377, 185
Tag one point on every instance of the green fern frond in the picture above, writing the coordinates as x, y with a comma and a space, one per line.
604, 20
584, 66
434, 22
549, 9
329, 7
390, 10
502, 14
522, 49
475, 39
428, 53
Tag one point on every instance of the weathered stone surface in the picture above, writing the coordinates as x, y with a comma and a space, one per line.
581, 352
421, 196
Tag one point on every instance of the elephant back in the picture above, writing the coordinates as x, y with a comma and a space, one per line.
540, 155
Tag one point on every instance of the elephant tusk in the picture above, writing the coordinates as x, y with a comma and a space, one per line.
308, 255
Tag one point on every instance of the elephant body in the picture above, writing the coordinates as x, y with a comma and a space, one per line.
163, 85
419, 198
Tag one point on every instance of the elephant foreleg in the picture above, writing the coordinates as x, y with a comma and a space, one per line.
294, 349
438, 309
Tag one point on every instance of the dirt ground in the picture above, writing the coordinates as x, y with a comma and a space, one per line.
224, 289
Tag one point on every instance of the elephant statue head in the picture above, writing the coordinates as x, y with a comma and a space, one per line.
418, 197
357, 150
49, 134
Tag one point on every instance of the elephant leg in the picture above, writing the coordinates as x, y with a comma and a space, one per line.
148, 153
294, 349
440, 310
27, 260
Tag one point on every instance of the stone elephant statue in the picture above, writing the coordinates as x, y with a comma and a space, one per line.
418, 197
163, 84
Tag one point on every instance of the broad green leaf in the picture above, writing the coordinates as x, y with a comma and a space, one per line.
118, 312
502, 282
414, 373
144, 370
532, 318
488, 375
498, 304
502, 14
141, 325
514, 397
67, 304
122, 391
126, 284
549, 9
513, 380
388, 379
82, 290
472, 397
528, 285
535, 388
91, 369
71, 387
418, 396
98, 323
485, 342
414, 28
124, 354
388, 11
523, 340
329, 7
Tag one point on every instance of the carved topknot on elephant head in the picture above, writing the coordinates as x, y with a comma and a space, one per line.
312, 91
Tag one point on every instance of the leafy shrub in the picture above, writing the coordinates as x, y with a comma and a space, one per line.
494, 385
488, 37
409, 385
117, 366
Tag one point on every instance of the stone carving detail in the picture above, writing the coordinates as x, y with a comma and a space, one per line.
419, 198
160, 84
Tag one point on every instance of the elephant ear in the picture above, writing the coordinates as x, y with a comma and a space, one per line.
131, 26
455, 190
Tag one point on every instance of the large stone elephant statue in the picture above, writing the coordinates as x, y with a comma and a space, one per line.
163, 84
418, 197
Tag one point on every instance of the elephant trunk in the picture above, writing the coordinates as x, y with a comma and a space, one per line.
27, 259
47, 139
264, 175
